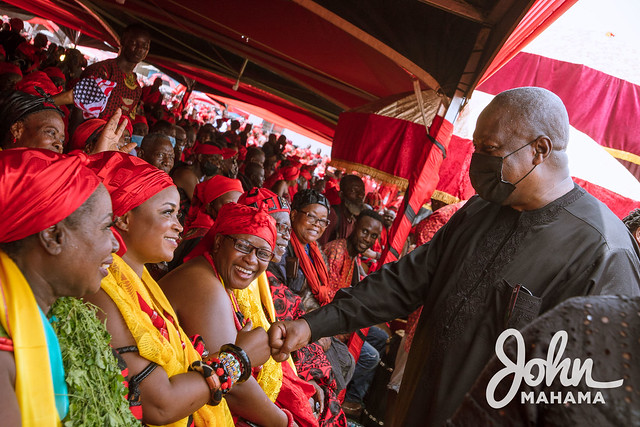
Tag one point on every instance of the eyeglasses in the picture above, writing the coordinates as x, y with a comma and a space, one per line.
313, 220
283, 229
246, 248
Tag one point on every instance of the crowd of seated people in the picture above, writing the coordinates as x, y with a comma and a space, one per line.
190, 237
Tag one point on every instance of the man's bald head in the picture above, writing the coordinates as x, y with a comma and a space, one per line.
534, 111
527, 129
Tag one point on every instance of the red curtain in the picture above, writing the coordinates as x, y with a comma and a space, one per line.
542, 14
602, 106
454, 184
385, 148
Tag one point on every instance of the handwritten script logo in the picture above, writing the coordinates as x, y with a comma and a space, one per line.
570, 372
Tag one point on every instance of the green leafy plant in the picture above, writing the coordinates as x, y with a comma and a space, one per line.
96, 391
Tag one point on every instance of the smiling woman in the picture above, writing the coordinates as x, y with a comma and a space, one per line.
143, 325
220, 271
55, 240
30, 121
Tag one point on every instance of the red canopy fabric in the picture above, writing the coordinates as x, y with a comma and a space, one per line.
271, 117
386, 148
542, 14
619, 205
454, 184
70, 14
249, 94
599, 105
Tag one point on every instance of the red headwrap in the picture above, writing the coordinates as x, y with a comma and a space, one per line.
262, 198
306, 174
39, 188
228, 153
87, 128
205, 193
9, 68
128, 126
29, 50
234, 218
131, 181
40, 79
55, 72
140, 118
290, 173
207, 149
84, 132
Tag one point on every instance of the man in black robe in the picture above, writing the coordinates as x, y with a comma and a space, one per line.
529, 241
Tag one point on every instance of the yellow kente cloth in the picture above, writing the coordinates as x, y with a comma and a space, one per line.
251, 301
123, 286
20, 317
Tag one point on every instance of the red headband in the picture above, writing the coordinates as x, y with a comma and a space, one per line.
234, 218
39, 188
131, 181
205, 193
290, 173
262, 198
208, 149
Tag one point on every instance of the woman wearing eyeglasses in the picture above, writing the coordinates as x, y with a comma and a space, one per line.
168, 382
304, 272
217, 303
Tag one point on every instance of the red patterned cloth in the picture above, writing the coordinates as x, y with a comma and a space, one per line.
341, 266
311, 361
427, 228
125, 94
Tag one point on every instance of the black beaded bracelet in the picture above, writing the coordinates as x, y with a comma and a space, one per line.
242, 357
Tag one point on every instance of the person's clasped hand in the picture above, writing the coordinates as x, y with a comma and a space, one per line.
287, 336
254, 342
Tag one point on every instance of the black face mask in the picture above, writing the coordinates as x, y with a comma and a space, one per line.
485, 173
209, 168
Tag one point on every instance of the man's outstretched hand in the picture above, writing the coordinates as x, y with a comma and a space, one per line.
287, 336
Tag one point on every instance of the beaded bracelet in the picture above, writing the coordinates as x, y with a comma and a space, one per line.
231, 366
241, 357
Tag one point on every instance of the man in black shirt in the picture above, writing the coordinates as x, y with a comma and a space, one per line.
530, 240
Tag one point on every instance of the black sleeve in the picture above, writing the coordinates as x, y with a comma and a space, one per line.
395, 290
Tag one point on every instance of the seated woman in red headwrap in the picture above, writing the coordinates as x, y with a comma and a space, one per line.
233, 254
88, 133
281, 303
143, 325
55, 241
208, 198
